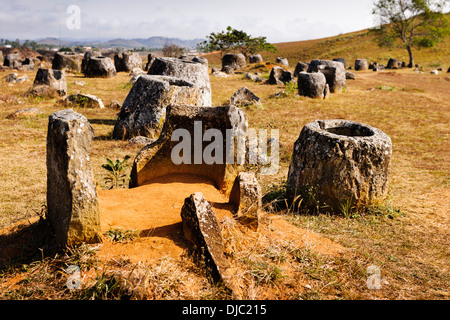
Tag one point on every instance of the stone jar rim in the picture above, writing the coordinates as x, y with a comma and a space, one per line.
348, 130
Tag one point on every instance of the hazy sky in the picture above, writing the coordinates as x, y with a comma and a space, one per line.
286, 20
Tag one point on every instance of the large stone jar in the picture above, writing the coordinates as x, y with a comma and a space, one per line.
337, 164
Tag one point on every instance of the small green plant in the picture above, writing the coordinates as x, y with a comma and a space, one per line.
386, 88
291, 87
116, 172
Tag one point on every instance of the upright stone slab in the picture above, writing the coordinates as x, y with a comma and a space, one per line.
201, 228
144, 109
246, 195
190, 71
337, 163
73, 209
392, 64
341, 60
244, 97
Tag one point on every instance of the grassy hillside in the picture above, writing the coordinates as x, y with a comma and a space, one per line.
351, 46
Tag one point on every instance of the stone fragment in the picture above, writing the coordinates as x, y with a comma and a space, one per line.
84, 100
100, 67
282, 61
190, 71
350, 75
244, 97
279, 76
73, 210
150, 59
49, 82
140, 141
246, 196
144, 109
253, 77
25, 113
337, 163
300, 67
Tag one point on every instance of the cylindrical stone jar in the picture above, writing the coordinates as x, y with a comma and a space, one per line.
339, 162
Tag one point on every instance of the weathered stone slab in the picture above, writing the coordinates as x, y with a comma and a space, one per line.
49, 82
233, 61
84, 100
339, 162
246, 196
73, 210
361, 64
255, 58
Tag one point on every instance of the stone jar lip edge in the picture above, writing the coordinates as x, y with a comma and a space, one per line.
378, 135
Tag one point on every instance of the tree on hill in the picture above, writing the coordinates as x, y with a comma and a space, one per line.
419, 23
233, 40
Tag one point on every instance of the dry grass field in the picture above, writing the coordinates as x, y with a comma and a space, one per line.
407, 238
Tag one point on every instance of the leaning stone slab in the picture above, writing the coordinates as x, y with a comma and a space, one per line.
339, 162
201, 228
73, 210
190, 71
186, 152
246, 196
144, 109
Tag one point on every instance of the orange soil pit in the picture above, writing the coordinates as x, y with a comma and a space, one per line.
154, 210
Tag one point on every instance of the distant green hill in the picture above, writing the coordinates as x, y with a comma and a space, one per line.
351, 46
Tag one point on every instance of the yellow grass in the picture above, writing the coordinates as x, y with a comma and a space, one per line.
410, 248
